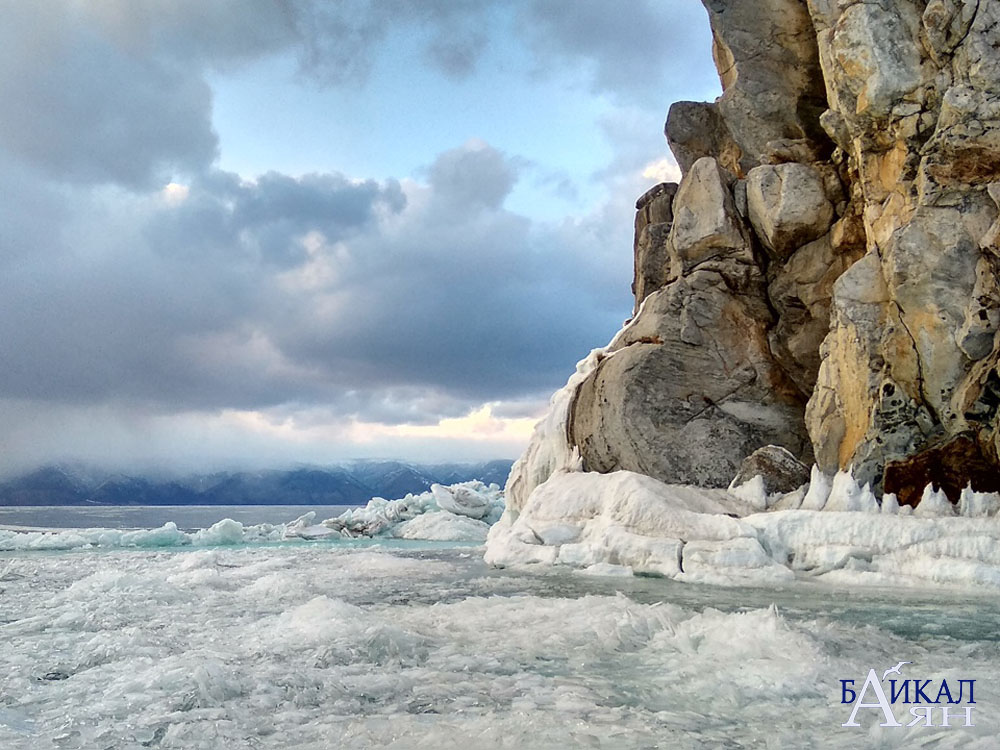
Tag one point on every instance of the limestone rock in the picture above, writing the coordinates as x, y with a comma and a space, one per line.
706, 225
918, 120
688, 389
695, 130
977, 335
801, 294
780, 470
788, 206
952, 466
653, 220
873, 56
835, 239
655, 206
785, 150
768, 63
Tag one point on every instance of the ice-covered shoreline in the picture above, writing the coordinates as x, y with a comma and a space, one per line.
623, 523
833, 531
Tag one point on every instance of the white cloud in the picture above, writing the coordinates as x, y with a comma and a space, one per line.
174, 193
152, 305
662, 170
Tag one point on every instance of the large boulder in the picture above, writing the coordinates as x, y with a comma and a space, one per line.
688, 389
778, 469
788, 206
706, 225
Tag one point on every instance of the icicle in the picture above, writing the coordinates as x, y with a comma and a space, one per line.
890, 505
978, 504
845, 495
867, 499
819, 490
934, 503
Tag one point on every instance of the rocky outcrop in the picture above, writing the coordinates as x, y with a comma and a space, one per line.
696, 330
917, 125
777, 468
653, 219
952, 466
825, 276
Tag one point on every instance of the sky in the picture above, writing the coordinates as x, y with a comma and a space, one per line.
264, 232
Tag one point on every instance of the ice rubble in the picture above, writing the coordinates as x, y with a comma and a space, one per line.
456, 513
632, 521
297, 646
460, 512
224, 532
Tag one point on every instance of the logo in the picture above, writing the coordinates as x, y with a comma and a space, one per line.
930, 703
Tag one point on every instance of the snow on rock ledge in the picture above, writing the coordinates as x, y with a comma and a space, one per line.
691, 534
549, 450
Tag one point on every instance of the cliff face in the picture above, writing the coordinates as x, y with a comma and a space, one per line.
825, 276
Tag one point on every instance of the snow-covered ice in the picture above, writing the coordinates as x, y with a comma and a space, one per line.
442, 526
351, 633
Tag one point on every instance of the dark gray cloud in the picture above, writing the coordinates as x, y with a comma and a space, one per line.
317, 290
116, 91
320, 296
266, 220
84, 110
472, 178
633, 50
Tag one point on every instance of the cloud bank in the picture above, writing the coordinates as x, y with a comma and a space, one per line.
143, 289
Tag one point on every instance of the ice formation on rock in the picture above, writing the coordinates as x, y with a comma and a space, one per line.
823, 283
630, 520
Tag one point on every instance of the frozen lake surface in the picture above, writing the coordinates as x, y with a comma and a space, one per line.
151, 517
366, 644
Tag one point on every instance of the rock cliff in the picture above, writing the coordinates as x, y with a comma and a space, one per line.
825, 276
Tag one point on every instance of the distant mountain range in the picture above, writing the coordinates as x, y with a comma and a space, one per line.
348, 484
